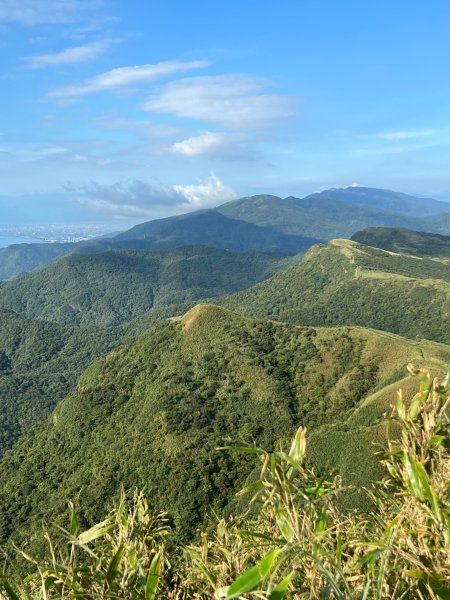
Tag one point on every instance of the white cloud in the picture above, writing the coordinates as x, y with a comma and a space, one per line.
125, 76
137, 198
67, 56
215, 145
405, 135
210, 192
234, 101
38, 12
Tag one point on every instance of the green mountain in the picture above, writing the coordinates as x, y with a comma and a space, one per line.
199, 228
260, 223
24, 258
151, 413
346, 283
214, 228
405, 241
39, 365
114, 287
315, 217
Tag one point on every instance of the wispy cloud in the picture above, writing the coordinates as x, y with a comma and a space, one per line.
32, 154
234, 101
125, 76
216, 145
403, 134
137, 198
39, 12
140, 127
73, 55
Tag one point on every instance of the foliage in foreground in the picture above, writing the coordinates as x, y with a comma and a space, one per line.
291, 542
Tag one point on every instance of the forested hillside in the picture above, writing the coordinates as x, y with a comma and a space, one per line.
346, 283
151, 413
39, 365
114, 287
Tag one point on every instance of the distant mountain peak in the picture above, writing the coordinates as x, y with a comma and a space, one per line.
384, 199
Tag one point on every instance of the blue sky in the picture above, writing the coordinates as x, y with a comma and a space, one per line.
140, 109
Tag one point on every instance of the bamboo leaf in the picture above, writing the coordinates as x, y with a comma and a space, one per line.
74, 527
153, 577
298, 447
280, 590
284, 525
8, 588
252, 577
400, 406
113, 569
93, 533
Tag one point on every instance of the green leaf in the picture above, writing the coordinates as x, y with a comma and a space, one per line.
280, 590
443, 593
11, 594
253, 576
153, 577
74, 527
414, 407
252, 488
93, 533
413, 474
400, 406
113, 569
284, 524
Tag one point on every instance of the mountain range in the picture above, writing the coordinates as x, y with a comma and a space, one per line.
261, 223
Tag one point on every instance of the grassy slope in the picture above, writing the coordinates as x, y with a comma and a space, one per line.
151, 413
348, 283
114, 287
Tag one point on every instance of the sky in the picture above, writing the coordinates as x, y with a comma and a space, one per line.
131, 110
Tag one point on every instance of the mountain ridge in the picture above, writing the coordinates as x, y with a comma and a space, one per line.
263, 222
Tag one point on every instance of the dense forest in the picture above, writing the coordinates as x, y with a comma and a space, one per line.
111, 288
